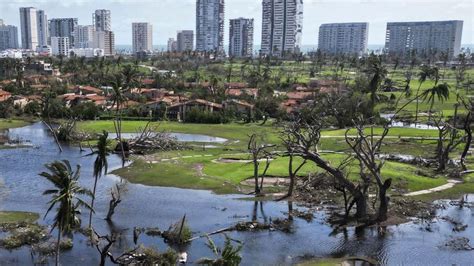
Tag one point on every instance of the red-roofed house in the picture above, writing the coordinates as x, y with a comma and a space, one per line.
4, 95
178, 110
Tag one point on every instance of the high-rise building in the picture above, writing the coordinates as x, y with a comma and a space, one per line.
185, 40
63, 27
142, 35
172, 45
241, 37
8, 37
210, 25
105, 40
84, 36
102, 20
29, 28
282, 26
343, 38
424, 37
43, 29
60, 46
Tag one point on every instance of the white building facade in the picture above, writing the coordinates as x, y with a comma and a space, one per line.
29, 28
424, 37
60, 46
142, 37
282, 26
84, 36
343, 38
210, 25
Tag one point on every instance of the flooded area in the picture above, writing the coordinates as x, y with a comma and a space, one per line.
408, 124
419, 243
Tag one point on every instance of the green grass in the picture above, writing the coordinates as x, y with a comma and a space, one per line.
8, 217
203, 173
6, 124
232, 131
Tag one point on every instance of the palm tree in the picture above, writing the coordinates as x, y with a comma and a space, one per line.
100, 166
441, 92
118, 99
65, 196
423, 75
377, 73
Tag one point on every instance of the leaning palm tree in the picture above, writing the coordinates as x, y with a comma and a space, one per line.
65, 197
100, 166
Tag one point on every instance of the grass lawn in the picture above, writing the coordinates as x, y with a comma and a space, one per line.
204, 173
232, 131
8, 217
6, 124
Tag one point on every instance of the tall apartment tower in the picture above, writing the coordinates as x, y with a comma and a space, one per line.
142, 35
241, 37
43, 29
29, 28
84, 36
282, 26
8, 37
185, 41
343, 38
210, 25
102, 20
63, 27
424, 37
105, 40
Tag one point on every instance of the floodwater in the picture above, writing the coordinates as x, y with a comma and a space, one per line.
21, 190
408, 124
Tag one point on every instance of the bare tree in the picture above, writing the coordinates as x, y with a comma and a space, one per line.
448, 140
116, 199
304, 142
366, 148
259, 151
292, 172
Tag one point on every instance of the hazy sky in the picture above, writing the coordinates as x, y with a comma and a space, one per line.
169, 16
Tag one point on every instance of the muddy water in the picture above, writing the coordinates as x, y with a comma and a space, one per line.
21, 189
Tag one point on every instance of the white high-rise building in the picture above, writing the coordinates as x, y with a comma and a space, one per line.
105, 40
102, 20
29, 28
210, 25
84, 36
60, 46
8, 37
142, 37
185, 40
424, 37
343, 38
241, 37
282, 26
43, 29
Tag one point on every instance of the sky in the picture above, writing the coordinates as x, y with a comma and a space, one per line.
169, 16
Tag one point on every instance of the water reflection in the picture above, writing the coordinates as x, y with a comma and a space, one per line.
160, 207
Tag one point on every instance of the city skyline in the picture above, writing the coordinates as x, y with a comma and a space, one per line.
316, 12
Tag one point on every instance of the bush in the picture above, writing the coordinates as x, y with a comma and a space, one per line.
86, 111
196, 115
